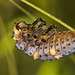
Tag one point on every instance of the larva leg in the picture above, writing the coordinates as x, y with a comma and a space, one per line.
38, 30
43, 23
50, 37
39, 27
50, 28
39, 19
40, 33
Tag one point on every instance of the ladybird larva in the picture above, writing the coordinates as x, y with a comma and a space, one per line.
41, 42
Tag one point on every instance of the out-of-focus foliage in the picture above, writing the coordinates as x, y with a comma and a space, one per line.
14, 61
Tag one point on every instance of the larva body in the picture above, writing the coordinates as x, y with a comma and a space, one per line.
41, 42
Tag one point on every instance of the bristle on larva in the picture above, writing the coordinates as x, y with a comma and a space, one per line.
41, 42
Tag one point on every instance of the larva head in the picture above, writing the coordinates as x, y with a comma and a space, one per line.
18, 28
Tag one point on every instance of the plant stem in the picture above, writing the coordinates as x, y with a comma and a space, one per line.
48, 14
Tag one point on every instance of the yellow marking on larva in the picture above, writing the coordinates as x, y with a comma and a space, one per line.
44, 37
16, 38
35, 55
21, 24
16, 31
55, 43
58, 56
52, 52
73, 32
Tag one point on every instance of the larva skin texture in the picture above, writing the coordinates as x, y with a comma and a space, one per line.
59, 44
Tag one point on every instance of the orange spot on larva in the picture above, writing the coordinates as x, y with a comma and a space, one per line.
35, 55
57, 56
52, 52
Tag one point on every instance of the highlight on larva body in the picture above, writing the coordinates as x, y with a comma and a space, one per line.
41, 42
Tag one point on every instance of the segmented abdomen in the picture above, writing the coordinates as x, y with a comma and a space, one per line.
62, 43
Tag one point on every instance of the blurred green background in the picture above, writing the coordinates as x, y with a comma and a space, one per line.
14, 61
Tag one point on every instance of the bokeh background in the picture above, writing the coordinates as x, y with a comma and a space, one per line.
14, 61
